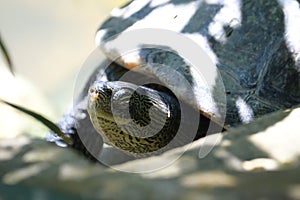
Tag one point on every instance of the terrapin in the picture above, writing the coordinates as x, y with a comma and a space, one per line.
249, 41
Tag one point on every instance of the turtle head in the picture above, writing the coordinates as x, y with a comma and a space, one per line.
120, 111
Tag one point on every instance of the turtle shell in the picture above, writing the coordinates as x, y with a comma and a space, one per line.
251, 43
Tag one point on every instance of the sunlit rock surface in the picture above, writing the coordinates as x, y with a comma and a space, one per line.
258, 160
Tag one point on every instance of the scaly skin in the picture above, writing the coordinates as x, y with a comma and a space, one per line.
124, 114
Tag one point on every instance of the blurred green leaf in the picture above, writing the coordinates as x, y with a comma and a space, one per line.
6, 56
43, 120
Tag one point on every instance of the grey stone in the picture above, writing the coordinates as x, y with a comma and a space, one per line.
238, 167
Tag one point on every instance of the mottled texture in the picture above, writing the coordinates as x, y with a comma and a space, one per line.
239, 167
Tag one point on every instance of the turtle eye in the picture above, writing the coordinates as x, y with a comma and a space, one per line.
120, 105
122, 96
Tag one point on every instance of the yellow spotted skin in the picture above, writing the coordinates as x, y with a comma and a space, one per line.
114, 136
131, 137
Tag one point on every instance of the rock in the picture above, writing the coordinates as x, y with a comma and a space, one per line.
244, 164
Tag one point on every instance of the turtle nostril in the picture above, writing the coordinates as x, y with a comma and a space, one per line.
94, 93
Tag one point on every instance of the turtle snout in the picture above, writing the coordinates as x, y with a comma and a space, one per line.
100, 91
94, 94
96, 89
